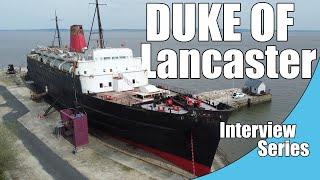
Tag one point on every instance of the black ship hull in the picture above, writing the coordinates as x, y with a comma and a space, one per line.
188, 141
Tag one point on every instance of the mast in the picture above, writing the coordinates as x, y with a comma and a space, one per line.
57, 32
101, 40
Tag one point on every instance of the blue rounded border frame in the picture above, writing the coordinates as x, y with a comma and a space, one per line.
306, 116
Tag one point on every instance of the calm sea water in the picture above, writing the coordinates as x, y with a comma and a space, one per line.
14, 45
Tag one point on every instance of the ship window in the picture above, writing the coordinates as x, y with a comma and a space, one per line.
110, 84
122, 57
104, 70
110, 70
133, 81
107, 58
101, 85
85, 72
115, 57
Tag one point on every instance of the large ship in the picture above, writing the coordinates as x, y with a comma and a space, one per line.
111, 86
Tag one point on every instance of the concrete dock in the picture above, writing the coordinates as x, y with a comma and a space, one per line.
225, 96
44, 156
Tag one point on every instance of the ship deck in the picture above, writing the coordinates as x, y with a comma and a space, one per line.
125, 98
130, 98
164, 108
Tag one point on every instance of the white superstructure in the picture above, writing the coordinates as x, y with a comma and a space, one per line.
99, 70
113, 69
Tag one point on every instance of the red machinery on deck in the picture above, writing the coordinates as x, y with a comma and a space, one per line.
75, 127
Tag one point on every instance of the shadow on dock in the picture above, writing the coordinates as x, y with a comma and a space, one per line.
51, 162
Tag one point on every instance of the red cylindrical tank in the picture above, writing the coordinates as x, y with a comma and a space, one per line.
198, 103
77, 39
189, 101
169, 102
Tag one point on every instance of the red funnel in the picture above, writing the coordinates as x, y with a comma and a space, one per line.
77, 39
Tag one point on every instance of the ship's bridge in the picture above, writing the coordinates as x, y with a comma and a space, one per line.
111, 69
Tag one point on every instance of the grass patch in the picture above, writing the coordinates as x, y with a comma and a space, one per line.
7, 151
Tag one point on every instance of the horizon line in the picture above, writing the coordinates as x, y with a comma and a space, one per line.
122, 29
64, 29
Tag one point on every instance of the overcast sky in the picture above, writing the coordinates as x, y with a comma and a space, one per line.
122, 14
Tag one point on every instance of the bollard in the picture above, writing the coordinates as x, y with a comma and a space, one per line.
249, 103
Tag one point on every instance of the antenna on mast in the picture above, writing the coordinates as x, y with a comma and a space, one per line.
57, 31
97, 12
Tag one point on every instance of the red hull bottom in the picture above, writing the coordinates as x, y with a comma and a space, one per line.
198, 170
